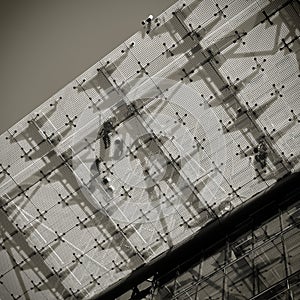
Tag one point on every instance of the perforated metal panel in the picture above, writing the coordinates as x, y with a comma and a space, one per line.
204, 109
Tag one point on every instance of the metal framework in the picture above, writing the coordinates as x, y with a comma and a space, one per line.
262, 264
228, 238
166, 151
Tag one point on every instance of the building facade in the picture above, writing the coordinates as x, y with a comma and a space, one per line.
168, 170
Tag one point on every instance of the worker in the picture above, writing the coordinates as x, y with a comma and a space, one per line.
108, 187
105, 132
261, 153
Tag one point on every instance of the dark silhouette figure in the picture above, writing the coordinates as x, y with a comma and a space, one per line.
105, 133
261, 153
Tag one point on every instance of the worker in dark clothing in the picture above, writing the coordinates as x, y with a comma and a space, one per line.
105, 132
261, 153
108, 187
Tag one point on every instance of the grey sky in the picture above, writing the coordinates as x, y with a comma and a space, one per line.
45, 44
